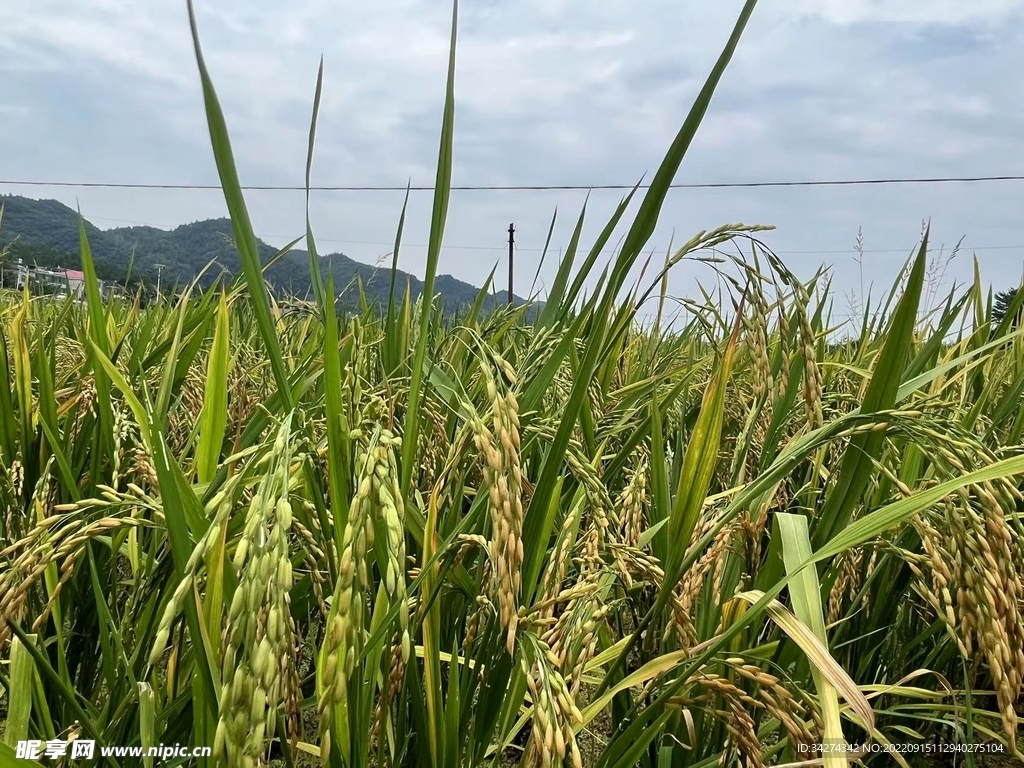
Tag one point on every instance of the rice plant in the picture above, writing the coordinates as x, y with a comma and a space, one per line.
513, 538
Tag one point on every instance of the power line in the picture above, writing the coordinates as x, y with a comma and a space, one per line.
504, 248
524, 187
781, 252
390, 244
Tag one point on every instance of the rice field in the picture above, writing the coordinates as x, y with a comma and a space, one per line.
533, 537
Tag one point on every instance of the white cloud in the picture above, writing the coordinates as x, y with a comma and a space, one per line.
15, 111
547, 92
947, 12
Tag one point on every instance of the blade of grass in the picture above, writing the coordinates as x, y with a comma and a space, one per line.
855, 470
213, 417
19, 696
442, 192
544, 253
245, 238
805, 594
314, 261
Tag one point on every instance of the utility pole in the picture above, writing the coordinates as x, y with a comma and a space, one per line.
511, 247
159, 269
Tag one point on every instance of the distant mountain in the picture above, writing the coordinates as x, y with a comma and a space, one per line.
45, 232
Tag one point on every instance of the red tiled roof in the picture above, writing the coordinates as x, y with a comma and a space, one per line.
73, 274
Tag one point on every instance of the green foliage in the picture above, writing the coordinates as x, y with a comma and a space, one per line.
1004, 300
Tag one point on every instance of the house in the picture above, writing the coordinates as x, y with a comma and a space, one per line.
48, 281
76, 283
59, 282
16, 274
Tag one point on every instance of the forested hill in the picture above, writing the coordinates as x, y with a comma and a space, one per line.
45, 232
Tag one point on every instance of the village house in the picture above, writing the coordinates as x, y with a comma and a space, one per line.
60, 282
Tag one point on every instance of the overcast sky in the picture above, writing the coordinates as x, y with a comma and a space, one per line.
547, 92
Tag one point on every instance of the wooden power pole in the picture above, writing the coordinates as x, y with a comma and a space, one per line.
511, 247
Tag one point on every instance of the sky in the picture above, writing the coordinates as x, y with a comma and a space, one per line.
547, 92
